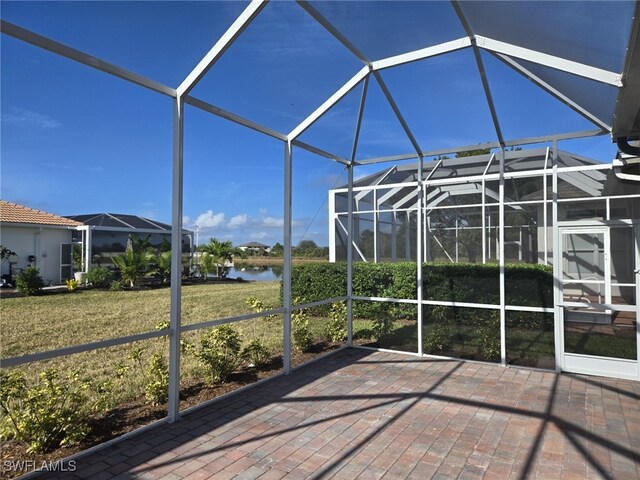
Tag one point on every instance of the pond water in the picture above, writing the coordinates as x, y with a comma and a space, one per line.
256, 273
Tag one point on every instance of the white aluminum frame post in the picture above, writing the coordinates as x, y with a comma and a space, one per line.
176, 261
286, 275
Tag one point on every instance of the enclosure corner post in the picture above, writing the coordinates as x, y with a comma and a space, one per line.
419, 251
176, 261
350, 256
286, 277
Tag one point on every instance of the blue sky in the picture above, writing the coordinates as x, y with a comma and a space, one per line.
75, 140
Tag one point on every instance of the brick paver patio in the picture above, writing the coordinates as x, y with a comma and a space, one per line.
366, 415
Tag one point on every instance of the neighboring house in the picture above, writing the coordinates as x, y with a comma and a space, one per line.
107, 234
255, 248
39, 239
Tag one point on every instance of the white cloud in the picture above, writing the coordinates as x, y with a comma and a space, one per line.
210, 220
237, 221
29, 118
186, 220
272, 222
244, 227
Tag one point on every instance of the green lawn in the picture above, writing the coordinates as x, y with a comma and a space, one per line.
47, 322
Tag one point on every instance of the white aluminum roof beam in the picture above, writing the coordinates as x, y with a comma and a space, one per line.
318, 17
221, 46
481, 71
477, 146
320, 152
569, 66
422, 54
207, 107
396, 110
356, 136
330, 102
364, 193
552, 91
82, 57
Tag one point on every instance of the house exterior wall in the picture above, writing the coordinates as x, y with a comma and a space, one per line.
41, 241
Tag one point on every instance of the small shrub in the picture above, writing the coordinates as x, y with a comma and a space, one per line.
116, 286
438, 339
220, 352
256, 353
163, 325
99, 277
156, 389
300, 330
489, 336
382, 326
29, 281
336, 329
72, 285
50, 414
258, 306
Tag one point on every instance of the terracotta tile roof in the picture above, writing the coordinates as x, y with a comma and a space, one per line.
14, 213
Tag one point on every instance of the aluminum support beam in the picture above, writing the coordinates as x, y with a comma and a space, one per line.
346, 231
558, 63
545, 215
221, 46
557, 263
356, 136
84, 347
419, 252
503, 297
350, 256
318, 17
319, 152
350, 200
82, 57
628, 102
286, 276
397, 112
176, 261
481, 71
330, 102
219, 112
507, 143
422, 54
552, 91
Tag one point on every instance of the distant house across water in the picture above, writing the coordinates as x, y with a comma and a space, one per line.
255, 248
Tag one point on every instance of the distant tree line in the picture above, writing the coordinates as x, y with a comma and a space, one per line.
306, 249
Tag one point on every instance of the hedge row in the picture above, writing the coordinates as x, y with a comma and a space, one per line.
525, 284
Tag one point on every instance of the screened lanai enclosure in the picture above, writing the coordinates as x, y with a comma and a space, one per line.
487, 149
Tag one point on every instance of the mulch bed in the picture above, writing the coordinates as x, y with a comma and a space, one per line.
138, 412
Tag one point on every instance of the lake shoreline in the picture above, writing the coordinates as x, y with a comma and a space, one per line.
275, 260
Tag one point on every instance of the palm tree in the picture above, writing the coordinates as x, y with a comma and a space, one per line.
221, 253
207, 264
163, 266
133, 265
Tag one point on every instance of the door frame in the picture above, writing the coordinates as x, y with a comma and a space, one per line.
592, 364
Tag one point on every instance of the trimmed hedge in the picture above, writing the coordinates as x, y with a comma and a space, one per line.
525, 284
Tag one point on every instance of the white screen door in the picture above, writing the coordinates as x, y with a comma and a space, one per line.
599, 300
